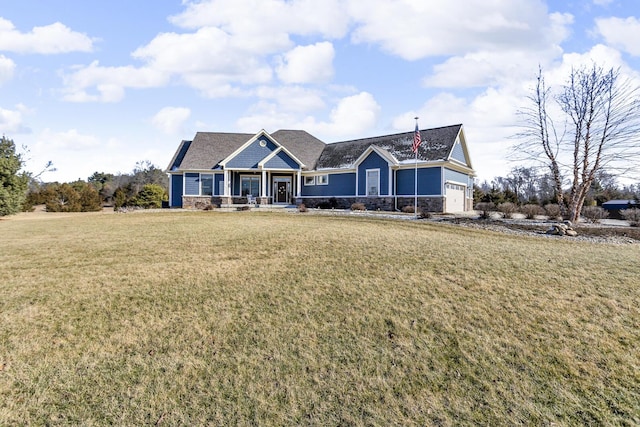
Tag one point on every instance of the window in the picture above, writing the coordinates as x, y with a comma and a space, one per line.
373, 181
322, 179
250, 185
192, 184
206, 181
309, 180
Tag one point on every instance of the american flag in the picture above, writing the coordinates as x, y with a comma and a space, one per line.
416, 140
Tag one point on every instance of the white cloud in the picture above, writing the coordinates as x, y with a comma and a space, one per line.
109, 82
352, 116
49, 39
171, 119
484, 68
308, 64
600, 55
416, 29
621, 33
231, 51
7, 66
11, 121
207, 50
268, 19
292, 98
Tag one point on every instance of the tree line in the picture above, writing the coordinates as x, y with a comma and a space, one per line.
533, 186
145, 187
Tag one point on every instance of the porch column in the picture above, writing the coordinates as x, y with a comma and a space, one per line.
263, 190
227, 184
298, 183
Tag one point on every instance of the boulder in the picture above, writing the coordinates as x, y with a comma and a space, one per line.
563, 229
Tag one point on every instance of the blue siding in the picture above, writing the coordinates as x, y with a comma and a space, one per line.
176, 191
192, 184
252, 155
451, 175
217, 179
282, 161
429, 182
373, 161
458, 153
340, 184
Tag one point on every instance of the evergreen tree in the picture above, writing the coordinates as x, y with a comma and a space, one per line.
13, 183
151, 196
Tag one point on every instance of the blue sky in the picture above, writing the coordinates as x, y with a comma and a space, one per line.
99, 86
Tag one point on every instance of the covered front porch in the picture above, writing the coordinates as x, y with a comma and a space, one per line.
262, 188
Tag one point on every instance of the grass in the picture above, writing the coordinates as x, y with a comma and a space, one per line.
295, 319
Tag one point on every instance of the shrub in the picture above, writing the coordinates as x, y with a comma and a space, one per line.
63, 198
150, 196
485, 209
632, 216
302, 207
209, 207
408, 209
553, 210
508, 209
119, 198
358, 207
530, 210
594, 213
90, 200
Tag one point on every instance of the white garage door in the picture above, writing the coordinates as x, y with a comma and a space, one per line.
455, 198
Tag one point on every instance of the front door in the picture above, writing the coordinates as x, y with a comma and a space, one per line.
283, 191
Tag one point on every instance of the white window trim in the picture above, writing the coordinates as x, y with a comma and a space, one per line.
367, 182
309, 181
325, 179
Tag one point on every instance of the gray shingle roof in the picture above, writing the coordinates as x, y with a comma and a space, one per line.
307, 148
437, 144
209, 148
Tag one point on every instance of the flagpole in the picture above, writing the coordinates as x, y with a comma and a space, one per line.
415, 187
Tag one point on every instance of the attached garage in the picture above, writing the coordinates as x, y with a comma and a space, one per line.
455, 201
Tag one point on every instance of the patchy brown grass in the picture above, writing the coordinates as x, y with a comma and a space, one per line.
257, 318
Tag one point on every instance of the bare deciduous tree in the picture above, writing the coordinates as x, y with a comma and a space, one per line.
600, 131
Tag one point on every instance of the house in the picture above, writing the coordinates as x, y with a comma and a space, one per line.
290, 167
615, 206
